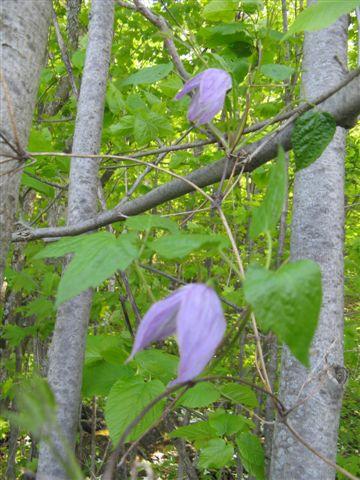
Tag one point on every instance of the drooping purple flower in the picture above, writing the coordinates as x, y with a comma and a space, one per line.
195, 315
211, 86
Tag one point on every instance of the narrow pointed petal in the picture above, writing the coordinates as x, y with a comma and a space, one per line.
190, 85
200, 329
158, 323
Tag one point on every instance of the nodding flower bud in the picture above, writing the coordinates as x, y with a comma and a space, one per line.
195, 315
211, 86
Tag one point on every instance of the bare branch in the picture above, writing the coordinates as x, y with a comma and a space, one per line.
344, 105
160, 22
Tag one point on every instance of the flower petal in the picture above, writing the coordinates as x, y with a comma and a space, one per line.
158, 323
210, 97
190, 85
200, 329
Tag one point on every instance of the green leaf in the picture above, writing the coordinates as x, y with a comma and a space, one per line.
40, 140
37, 185
220, 10
99, 377
160, 364
149, 126
15, 334
252, 454
216, 454
312, 133
227, 424
146, 222
198, 432
239, 394
144, 129
287, 302
321, 15
114, 99
126, 400
110, 348
35, 404
149, 74
202, 395
97, 257
277, 72
125, 125
180, 245
266, 216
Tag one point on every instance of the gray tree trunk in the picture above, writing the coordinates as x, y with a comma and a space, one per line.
317, 234
68, 344
23, 38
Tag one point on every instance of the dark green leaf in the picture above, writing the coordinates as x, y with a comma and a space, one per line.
312, 133
287, 302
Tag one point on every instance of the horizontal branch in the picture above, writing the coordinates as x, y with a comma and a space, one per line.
343, 105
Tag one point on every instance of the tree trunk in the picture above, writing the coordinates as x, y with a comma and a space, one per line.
24, 30
68, 344
317, 234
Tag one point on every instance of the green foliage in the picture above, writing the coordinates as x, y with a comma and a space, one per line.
149, 74
217, 11
266, 216
239, 394
228, 424
96, 258
183, 240
180, 245
216, 454
36, 406
312, 133
125, 402
321, 15
146, 222
202, 395
251, 454
197, 432
160, 364
277, 72
287, 302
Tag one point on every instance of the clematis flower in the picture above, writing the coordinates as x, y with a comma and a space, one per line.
195, 315
211, 86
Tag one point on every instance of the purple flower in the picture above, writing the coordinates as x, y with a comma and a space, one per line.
195, 315
211, 87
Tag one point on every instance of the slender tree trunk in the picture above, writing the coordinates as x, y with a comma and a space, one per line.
317, 234
24, 30
68, 344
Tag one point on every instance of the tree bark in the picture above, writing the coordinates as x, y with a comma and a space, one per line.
68, 344
317, 234
24, 30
